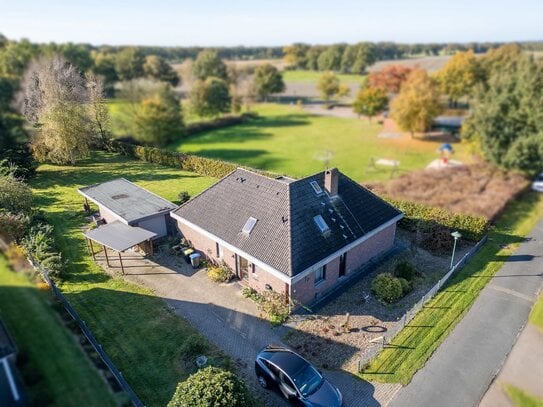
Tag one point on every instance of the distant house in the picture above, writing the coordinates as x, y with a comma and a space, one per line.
451, 124
297, 237
123, 201
12, 393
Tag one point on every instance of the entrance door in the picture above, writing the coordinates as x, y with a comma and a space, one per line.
243, 268
342, 264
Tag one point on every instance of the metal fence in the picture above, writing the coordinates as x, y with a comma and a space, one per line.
92, 340
379, 343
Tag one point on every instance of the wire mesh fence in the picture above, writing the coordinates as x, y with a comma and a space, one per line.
379, 343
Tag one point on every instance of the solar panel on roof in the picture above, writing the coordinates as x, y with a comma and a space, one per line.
249, 225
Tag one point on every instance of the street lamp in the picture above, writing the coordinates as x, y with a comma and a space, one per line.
456, 236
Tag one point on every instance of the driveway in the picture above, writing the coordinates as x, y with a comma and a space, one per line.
231, 322
462, 368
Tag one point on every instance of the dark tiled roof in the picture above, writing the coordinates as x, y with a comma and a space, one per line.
285, 235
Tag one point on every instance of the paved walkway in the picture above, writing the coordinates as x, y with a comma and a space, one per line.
231, 322
463, 367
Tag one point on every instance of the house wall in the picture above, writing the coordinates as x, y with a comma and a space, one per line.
306, 291
109, 216
156, 224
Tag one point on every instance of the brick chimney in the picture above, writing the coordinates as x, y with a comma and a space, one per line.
331, 177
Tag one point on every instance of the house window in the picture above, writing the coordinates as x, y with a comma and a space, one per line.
316, 187
320, 274
249, 225
219, 250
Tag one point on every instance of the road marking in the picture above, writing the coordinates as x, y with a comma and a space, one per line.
512, 292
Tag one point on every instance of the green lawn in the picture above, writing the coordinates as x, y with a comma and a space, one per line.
287, 140
305, 76
536, 316
412, 347
67, 377
520, 398
142, 336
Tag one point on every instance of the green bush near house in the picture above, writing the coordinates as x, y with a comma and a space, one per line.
387, 288
211, 386
219, 274
405, 270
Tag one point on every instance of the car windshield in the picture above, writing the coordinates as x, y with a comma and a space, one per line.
307, 379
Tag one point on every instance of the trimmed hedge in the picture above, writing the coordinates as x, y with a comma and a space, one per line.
471, 227
219, 123
200, 165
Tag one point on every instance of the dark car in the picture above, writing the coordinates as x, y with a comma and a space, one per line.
297, 379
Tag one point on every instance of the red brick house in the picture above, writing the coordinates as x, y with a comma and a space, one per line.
297, 237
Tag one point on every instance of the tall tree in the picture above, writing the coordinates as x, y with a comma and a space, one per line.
54, 99
104, 66
506, 121
210, 97
98, 110
370, 101
209, 64
295, 55
330, 59
365, 56
313, 55
129, 64
15, 56
417, 104
459, 76
390, 78
157, 68
328, 85
268, 80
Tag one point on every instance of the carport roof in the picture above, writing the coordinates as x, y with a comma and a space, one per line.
118, 236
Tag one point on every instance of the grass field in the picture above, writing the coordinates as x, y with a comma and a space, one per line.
67, 377
285, 139
536, 316
142, 336
412, 347
520, 398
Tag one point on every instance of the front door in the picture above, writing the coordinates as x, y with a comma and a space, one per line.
243, 268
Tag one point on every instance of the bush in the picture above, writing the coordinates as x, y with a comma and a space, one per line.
211, 386
183, 197
404, 270
40, 245
472, 228
219, 123
406, 285
387, 288
194, 345
219, 274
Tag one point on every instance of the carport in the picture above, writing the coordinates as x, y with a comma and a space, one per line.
118, 237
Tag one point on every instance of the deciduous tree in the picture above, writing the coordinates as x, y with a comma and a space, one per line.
370, 101
209, 64
268, 80
157, 68
417, 104
129, 64
210, 97
390, 78
459, 76
97, 107
328, 85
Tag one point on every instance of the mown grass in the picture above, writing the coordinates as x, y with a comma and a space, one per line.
66, 376
141, 335
305, 76
520, 398
536, 316
287, 140
412, 347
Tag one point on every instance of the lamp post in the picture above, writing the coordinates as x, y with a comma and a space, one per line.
456, 236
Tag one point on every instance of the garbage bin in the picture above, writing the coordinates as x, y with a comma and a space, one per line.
187, 253
195, 260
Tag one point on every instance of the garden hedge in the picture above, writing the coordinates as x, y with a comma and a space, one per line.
472, 228
225, 121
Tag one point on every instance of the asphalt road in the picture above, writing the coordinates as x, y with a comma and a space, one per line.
461, 370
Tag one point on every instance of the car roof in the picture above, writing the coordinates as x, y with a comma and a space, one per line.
286, 360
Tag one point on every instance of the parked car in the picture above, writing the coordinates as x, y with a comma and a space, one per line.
297, 379
537, 185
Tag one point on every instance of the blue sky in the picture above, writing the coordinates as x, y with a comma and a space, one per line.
272, 22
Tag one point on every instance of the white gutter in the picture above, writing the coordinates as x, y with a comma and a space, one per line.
276, 273
345, 249
11, 381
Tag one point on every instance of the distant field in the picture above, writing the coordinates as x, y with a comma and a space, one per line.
430, 64
286, 139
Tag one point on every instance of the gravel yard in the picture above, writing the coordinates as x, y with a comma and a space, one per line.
320, 337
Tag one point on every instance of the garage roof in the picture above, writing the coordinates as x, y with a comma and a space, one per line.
127, 200
118, 236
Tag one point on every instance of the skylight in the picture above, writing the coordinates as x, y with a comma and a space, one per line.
249, 225
321, 224
316, 187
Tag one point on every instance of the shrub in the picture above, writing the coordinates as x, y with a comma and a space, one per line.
194, 345
13, 226
211, 386
219, 274
40, 245
404, 270
183, 197
406, 285
387, 288
219, 123
275, 307
16, 256
15, 196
